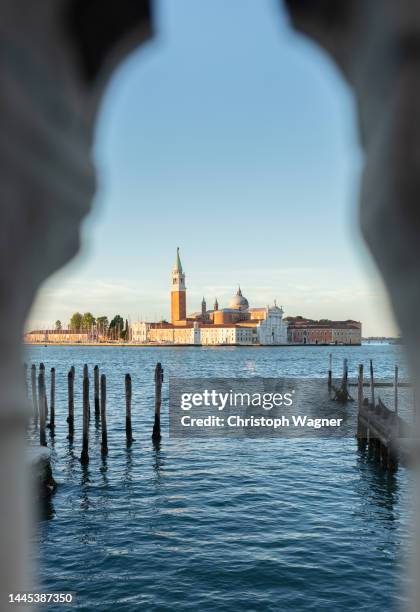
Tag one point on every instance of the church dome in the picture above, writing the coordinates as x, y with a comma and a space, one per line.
239, 302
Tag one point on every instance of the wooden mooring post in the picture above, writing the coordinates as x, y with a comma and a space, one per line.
84, 457
345, 375
42, 414
379, 426
158, 401
96, 391
372, 385
361, 428
70, 417
52, 402
342, 394
128, 397
360, 387
104, 442
34, 394
86, 375
330, 372
42, 368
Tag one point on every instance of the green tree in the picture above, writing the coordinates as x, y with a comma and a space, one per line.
76, 322
88, 320
116, 327
58, 325
125, 335
102, 324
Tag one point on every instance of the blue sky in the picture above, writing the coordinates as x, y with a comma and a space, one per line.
234, 138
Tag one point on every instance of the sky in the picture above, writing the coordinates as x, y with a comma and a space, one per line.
234, 138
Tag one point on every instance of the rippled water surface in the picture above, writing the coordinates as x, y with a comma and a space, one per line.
215, 525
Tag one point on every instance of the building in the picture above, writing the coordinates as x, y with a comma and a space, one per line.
140, 332
308, 331
66, 336
211, 334
236, 324
178, 293
167, 333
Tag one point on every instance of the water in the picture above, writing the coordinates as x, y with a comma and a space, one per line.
222, 524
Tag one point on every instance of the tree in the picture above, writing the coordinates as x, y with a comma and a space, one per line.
88, 320
116, 327
58, 325
102, 324
125, 335
76, 322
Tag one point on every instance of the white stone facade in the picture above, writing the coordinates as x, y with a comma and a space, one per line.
143, 333
228, 334
140, 332
272, 329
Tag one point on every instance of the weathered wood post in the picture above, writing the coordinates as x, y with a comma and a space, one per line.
104, 442
42, 415
86, 375
128, 396
360, 387
396, 390
158, 400
52, 402
372, 385
361, 429
34, 393
96, 391
70, 418
42, 369
84, 457
345, 378
342, 393
330, 372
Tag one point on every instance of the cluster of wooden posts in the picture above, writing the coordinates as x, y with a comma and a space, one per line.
341, 391
379, 428
44, 409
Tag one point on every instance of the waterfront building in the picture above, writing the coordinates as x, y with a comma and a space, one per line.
228, 334
235, 324
178, 293
140, 332
58, 336
308, 331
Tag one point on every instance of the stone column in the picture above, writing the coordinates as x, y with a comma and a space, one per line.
376, 44
51, 80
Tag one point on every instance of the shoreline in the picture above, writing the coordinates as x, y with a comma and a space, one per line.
148, 345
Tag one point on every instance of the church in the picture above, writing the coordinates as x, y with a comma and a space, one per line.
238, 324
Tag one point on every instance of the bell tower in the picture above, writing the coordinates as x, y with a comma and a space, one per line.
178, 292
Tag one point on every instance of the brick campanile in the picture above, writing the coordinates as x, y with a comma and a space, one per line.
178, 292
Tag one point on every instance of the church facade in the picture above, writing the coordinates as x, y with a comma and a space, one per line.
237, 324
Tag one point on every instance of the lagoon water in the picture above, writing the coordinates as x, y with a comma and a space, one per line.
218, 524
